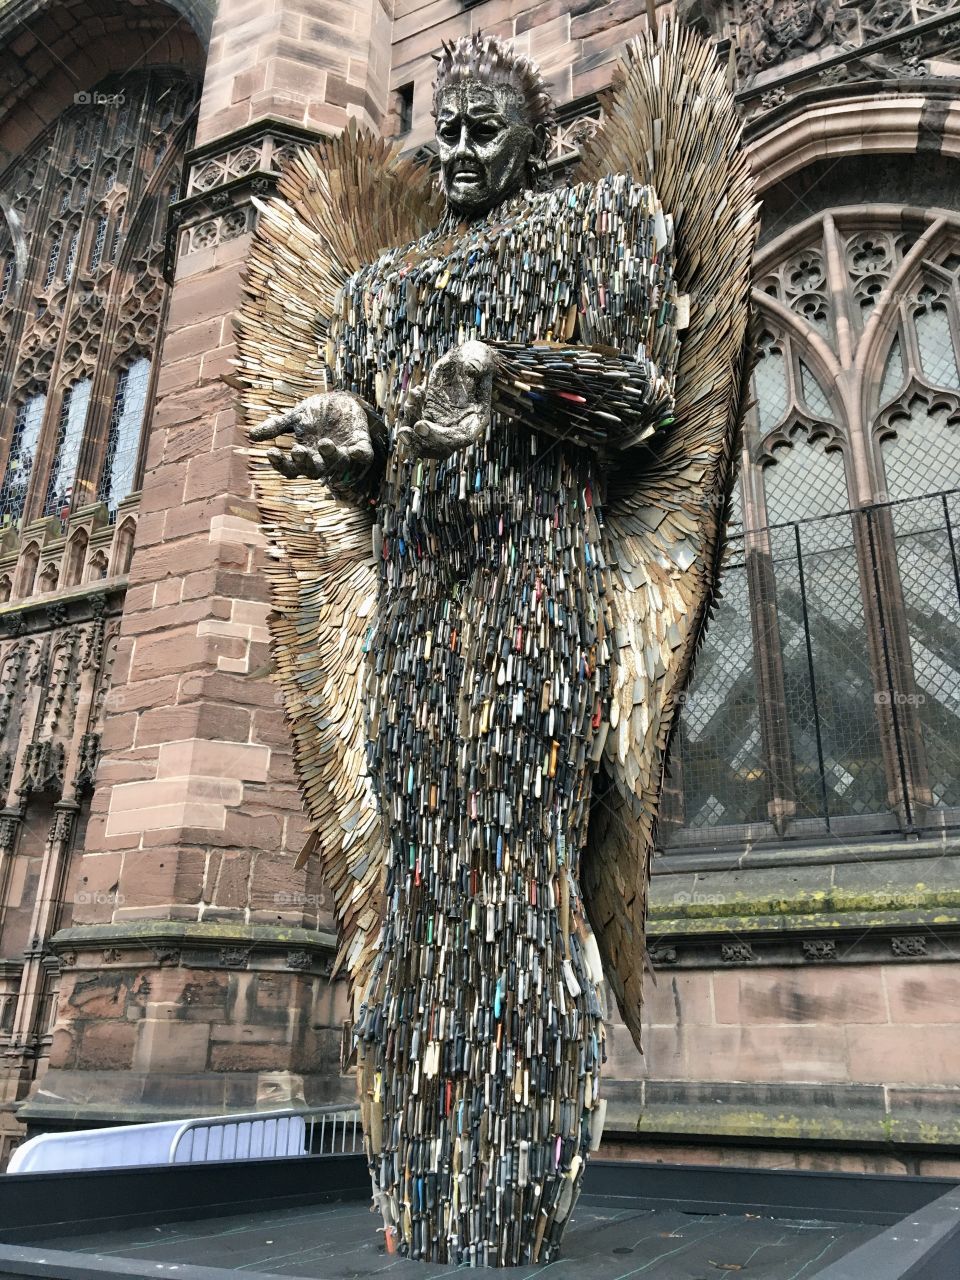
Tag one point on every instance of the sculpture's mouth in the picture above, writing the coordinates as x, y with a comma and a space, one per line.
467, 176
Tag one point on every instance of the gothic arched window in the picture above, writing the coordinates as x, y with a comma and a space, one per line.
833, 666
126, 420
27, 421
86, 213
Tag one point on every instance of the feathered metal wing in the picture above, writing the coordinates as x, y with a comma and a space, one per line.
339, 205
669, 122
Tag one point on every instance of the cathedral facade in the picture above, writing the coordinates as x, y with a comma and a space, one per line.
159, 956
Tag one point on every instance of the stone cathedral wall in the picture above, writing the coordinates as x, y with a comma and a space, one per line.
158, 955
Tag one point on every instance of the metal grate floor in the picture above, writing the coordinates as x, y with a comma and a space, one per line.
605, 1242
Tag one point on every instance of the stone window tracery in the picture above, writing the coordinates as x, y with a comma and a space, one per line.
28, 420
126, 420
86, 214
838, 704
6, 273
73, 417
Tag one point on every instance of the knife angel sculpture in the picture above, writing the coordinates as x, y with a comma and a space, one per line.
503, 423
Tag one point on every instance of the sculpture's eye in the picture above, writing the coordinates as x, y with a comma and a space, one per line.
485, 132
449, 132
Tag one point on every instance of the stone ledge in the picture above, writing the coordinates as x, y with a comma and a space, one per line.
836, 1116
155, 944
70, 1099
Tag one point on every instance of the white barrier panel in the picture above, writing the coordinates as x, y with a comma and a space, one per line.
129, 1144
241, 1137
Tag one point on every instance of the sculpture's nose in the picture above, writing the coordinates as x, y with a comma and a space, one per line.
463, 144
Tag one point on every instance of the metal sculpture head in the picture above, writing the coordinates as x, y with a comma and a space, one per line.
493, 112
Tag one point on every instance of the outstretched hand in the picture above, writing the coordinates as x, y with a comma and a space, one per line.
451, 410
332, 435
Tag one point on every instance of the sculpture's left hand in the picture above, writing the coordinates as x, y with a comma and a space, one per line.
452, 409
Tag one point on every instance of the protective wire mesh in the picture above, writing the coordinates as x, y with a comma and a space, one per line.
847, 717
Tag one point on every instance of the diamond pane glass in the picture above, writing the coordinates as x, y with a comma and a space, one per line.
831, 709
892, 373
924, 457
73, 415
814, 395
936, 346
117, 235
126, 421
99, 240
53, 258
23, 449
928, 584
71, 258
724, 778
804, 481
770, 380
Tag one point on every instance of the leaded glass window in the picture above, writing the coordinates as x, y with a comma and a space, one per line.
804, 481
85, 199
892, 372
23, 449
6, 275
53, 258
73, 417
770, 380
71, 257
827, 695
99, 240
937, 354
126, 420
117, 234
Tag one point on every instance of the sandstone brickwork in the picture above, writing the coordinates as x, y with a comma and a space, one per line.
158, 955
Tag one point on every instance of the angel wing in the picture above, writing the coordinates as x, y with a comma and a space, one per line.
339, 205
669, 122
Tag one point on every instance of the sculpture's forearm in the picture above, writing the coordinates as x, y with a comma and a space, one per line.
592, 396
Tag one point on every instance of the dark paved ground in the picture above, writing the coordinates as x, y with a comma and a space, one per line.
340, 1242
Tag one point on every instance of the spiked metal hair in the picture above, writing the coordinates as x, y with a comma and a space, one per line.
492, 60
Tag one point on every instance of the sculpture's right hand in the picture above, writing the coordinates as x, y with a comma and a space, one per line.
332, 439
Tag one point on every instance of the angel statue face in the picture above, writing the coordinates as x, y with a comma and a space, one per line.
489, 146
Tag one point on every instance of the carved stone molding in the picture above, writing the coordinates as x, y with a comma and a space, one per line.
820, 949
221, 180
776, 30
9, 827
879, 944
217, 230
914, 945
879, 40
61, 829
43, 767
736, 953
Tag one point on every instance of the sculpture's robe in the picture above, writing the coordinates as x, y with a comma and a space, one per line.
488, 677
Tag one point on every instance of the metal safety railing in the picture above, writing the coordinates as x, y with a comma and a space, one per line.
253, 1135
261, 1135
827, 695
